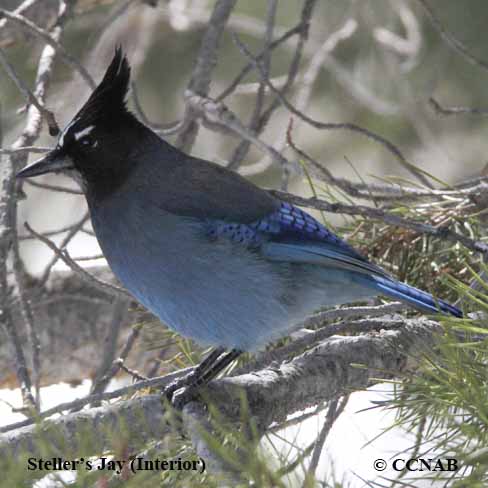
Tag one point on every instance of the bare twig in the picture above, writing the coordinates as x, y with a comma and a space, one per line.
313, 70
18, 353
389, 218
31, 98
158, 382
296, 420
439, 109
359, 190
57, 188
28, 318
88, 258
243, 148
20, 10
23, 150
106, 370
205, 64
253, 87
305, 16
73, 230
336, 126
50, 233
113, 290
161, 129
9, 252
408, 46
249, 66
333, 413
306, 87
207, 56
297, 461
218, 116
52, 41
132, 372
451, 41
378, 192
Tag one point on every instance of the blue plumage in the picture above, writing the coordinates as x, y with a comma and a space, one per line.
290, 234
213, 256
417, 298
287, 222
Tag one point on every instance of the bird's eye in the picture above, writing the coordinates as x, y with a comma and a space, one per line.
87, 142
84, 138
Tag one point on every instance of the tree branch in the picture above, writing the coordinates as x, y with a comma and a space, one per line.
387, 217
332, 368
204, 66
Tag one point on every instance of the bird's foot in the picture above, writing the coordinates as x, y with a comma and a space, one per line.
184, 395
189, 380
185, 389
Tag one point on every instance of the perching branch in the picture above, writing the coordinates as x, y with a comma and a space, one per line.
331, 368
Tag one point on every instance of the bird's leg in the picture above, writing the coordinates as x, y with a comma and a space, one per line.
192, 376
217, 367
178, 399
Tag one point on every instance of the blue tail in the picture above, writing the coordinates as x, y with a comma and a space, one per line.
415, 297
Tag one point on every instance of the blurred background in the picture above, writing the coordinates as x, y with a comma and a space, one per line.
375, 63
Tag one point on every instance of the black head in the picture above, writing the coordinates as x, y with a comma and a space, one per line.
100, 138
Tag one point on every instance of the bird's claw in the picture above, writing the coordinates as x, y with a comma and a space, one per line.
198, 377
183, 396
181, 391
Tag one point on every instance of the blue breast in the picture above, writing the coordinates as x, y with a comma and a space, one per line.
205, 284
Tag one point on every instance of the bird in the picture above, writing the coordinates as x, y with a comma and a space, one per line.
215, 257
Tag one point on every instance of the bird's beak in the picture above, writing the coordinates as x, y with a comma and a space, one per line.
52, 162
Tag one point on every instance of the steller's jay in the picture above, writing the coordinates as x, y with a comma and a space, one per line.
216, 258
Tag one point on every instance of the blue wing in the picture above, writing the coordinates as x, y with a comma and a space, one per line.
290, 234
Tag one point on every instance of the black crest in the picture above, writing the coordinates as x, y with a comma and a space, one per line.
108, 98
